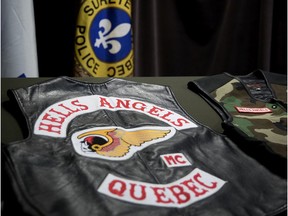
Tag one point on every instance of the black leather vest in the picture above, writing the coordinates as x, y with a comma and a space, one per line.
127, 148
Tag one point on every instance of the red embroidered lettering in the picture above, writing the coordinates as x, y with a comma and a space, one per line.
180, 159
117, 187
105, 103
72, 108
164, 117
78, 104
175, 160
180, 122
169, 159
142, 193
50, 128
196, 178
139, 106
154, 111
60, 113
50, 118
192, 187
67, 108
180, 194
123, 104
160, 195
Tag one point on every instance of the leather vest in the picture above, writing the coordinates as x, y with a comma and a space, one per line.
127, 148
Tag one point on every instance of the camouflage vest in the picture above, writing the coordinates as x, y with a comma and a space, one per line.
256, 104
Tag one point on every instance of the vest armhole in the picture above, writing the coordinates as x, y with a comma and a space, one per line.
20, 128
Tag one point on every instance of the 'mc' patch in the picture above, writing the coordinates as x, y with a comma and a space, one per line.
175, 160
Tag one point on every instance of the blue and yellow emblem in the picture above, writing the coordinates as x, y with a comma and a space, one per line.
103, 41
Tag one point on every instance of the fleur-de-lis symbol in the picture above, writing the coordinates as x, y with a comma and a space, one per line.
108, 37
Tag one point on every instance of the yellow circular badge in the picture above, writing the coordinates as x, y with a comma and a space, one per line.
103, 42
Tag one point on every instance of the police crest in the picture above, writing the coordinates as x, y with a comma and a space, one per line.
103, 40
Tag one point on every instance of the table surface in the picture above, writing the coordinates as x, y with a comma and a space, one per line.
194, 105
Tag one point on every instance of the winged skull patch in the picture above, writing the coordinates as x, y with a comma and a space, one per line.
116, 143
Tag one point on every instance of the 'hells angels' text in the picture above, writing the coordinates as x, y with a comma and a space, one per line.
54, 120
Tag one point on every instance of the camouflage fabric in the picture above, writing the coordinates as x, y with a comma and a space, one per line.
271, 126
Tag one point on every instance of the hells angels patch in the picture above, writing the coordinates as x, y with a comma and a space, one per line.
54, 120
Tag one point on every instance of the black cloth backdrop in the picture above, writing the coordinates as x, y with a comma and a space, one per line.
178, 38
207, 37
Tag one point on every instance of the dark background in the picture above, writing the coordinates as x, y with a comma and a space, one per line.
178, 38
